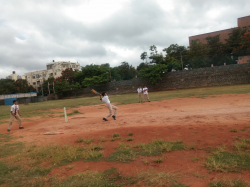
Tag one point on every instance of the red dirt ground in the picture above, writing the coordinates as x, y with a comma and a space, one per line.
200, 121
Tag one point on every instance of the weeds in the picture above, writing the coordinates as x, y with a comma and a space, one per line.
242, 144
145, 162
228, 183
233, 130
243, 129
123, 155
158, 160
228, 162
88, 141
195, 159
130, 134
102, 139
197, 175
129, 139
158, 147
79, 140
115, 135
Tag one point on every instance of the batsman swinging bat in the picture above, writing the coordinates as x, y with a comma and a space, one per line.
95, 92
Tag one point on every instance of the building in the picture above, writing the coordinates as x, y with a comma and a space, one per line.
15, 76
54, 69
243, 59
243, 22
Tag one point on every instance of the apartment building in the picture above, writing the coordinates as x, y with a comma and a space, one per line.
53, 69
15, 76
243, 22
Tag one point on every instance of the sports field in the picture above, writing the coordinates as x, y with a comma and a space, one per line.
196, 137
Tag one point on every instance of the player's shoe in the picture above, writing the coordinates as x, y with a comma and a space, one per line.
105, 119
21, 127
8, 130
113, 117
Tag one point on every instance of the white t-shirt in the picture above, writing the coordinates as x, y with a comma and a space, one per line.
145, 90
14, 109
106, 99
139, 90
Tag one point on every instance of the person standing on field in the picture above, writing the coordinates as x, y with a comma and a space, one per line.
145, 92
139, 90
14, 113
109, 106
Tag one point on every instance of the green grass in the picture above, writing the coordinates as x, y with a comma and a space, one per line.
17, 175
29, 111
158, 147
242, 144
158, 160
233, 130
102, 139
109, 178
123, 155
88, 141
116, 135
228, 183
130, 134
129, 139
228, 162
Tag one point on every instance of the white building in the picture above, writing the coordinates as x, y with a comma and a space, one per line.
54, 69
15, 76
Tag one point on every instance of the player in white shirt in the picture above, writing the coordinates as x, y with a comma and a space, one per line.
145, 92
139, 90
14, 113
109, 106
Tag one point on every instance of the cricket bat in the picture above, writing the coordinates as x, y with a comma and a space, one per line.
53, 133
95, 92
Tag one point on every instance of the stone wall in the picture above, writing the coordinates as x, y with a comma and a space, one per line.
204, 77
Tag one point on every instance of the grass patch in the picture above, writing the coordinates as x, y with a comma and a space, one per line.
129, 139
233, 130
158, 160
88, 141
79, 140
115, 135
122, 155
158, 147
228, 162
243, 129
195, 159
9, 149
242, 144
109, 178
145, 162
17, 175
228, 183
197, 175
130, 134
102, 139
154, 178
61, 154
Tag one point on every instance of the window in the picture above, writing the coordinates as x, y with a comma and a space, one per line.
73, 66
37, 76
33, 77
49, 66
44, 75
51, 74
38, 82
244, 28
55, 73
34, 83
25, 77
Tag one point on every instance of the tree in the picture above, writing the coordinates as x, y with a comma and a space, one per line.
7, 86
126, 71
244, 48
96, 80
144, 56
154, 72
142, 66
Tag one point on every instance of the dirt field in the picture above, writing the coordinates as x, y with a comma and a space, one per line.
203, 122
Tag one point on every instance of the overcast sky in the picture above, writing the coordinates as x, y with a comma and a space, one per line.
33, 33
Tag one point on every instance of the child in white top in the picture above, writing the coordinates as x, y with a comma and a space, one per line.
109, 106
139, 90
145, 92
14, 113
